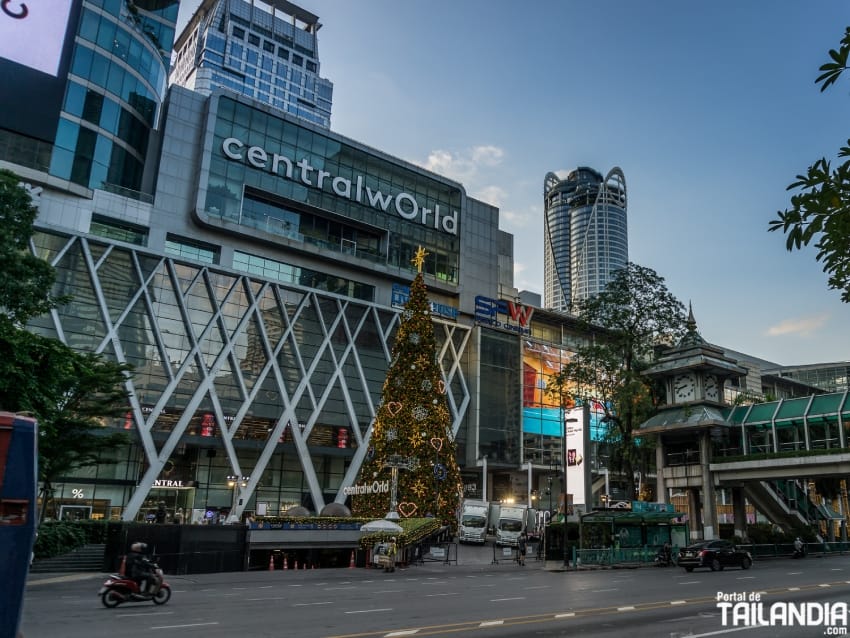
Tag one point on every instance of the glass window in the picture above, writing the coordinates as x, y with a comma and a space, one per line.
121, 231
238, 32
254, 39
297, 59
74, 100
311, 66
268, 46
189, 249
282, 53
82, 61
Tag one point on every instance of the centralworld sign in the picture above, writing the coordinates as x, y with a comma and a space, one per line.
375, 487
401, 203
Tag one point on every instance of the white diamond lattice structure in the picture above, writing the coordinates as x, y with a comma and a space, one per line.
231, 356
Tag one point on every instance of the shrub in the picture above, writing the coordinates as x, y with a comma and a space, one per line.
60, 537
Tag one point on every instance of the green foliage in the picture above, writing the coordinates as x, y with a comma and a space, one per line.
413, 422
69, 393
628, 321
25, 280
820, 210
58, 537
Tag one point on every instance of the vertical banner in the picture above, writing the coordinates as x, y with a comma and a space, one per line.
576, 450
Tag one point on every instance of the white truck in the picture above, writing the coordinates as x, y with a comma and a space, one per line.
511, 524
474, 521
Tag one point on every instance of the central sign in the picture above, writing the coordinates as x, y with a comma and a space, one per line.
403, 204
376, 487
517, 316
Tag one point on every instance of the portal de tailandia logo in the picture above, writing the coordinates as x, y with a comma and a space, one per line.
747, 609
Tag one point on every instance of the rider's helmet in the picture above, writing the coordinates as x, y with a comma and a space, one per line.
139, 547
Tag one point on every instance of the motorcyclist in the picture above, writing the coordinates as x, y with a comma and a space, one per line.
140, 568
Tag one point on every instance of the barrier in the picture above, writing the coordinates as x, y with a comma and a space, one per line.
271, 562
351, 563
506, 553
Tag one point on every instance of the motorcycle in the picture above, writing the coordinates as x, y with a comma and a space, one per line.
119, 589
664, 558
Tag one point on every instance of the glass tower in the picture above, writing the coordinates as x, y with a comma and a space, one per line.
116, 85
586, 237
265, 50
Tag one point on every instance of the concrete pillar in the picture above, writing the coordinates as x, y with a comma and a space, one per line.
694, 520
660, 487
709, 505
739, 512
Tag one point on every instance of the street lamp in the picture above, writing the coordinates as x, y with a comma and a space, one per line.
235, 482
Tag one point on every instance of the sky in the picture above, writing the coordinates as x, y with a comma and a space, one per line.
709, 108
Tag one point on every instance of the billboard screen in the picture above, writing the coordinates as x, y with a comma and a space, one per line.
35, 44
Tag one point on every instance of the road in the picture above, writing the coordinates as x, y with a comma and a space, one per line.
472, 598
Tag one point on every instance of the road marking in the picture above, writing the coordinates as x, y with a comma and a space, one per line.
238, 588
388, 591
491, 623
269, 598
539, 587
567, 615
213, 589
264, 587
368, 611
723, 631
445, 594
196, 624
499, 600
337, 588
793, 589
690, 582
824, 585
796, 574
295, 585
479, 586
151, 613
599, 591
746, 577
327, 602
627, 608
836, 569
678, 602
407, 632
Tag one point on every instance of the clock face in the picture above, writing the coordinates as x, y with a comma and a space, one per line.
684, 387
712, 388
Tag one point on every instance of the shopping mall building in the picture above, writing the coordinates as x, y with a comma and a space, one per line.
256, 296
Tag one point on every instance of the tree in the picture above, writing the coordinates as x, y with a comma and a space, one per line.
820, 210
69, 393
413, 422
628, 320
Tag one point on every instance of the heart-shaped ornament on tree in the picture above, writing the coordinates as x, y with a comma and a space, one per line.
407, 509
437, 443
394, 407
441, 386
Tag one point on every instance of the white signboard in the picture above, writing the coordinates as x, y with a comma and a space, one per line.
577, 462
32, 32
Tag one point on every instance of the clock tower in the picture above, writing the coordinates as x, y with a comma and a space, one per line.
693, 374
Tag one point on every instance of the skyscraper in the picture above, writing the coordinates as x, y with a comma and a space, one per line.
586, 235
86, 119
266, 50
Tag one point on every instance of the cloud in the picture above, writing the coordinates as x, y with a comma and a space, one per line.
493, 195
804, 326
463, 166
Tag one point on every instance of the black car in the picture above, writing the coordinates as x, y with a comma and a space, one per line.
715, 555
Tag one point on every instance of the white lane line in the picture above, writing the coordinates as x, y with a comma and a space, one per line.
152, 613
208, 589
406, 632
793, 589
746, 577
479, 586
268, 598
723, 631
491, 623
567, 615
599, 591
449, 593
388, 591
836, 569
796, 574
238, 588
690, 582
538, 587
678, 602
265, 587
336, 588
295, 585
499, 600
327, 602
196, 624
626, 608
824, 585
369, 611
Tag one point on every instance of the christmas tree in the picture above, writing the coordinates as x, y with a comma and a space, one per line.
412, 428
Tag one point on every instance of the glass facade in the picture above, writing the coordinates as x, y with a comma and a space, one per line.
268, 55
116, 83
500, 398
228, 357
269, 173
586, 234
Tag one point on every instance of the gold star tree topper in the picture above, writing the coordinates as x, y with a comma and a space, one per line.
419, 258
